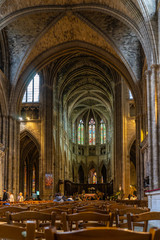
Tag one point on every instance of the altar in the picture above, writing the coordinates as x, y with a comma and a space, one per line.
87, 195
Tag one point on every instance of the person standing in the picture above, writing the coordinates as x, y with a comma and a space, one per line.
11, 197
5, 195
20, 197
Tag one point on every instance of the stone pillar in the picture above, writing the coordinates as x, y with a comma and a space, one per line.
158, 121
153, 104
5, 143
11, 152
12, 157
118, 164
2, 155
154, 125
139, 162
46, 164
149, 116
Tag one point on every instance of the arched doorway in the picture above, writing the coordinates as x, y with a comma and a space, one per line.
133, 164
29, 166
103, 174
92, 176
81, 174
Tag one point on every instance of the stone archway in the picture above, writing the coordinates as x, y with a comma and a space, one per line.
103, 174
81, 174
29, 166
133, 164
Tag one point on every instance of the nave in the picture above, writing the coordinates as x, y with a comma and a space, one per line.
79, 119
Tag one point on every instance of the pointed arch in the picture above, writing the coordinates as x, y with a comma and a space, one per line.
31, 136
81, 174
29, 164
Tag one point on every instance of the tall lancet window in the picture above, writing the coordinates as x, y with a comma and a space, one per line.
103, 132
92, 134
130, 95
32, 92
73, 133
81, 132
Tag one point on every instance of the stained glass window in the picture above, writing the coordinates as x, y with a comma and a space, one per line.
33, 180
92, 134
103, 132
32, 92
81, 132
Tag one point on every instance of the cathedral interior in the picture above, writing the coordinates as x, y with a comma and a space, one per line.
79, 95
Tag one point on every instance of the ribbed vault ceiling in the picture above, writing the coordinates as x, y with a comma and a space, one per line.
86, 88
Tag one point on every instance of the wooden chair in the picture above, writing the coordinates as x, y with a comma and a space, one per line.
56, 210
86, 219
58, 215
42, 219
102, 234
90, 210
143, 217
11, 209
121, 216
15, 232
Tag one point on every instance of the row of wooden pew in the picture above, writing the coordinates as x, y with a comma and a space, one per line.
77, 220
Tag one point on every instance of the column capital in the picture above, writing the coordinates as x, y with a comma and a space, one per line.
45, 85
155, 66
148, 72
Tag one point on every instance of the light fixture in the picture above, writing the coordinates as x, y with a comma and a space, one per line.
20, 118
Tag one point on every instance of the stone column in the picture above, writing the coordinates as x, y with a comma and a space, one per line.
158, 120
139, 161
2, 155
12, 163
46, 132
118, 163
148, 81
11, 152
153, 104
154, 125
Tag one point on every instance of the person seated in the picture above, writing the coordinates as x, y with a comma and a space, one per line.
70, 199
58, 198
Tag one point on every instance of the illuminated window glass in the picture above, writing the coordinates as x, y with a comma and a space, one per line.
32, 92
36, 88
130, 95
73, 133
92, 134
81, 132
24, 97
103, 132
34, 180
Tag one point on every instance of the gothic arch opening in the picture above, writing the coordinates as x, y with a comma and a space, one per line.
92, 176
81, 174
29, 166
133, 164
103, 174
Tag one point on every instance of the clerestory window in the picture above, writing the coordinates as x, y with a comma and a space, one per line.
32, 92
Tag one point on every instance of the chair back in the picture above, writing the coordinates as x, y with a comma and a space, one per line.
87, 219
142, 217
15, 232
102, 234
121, 215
